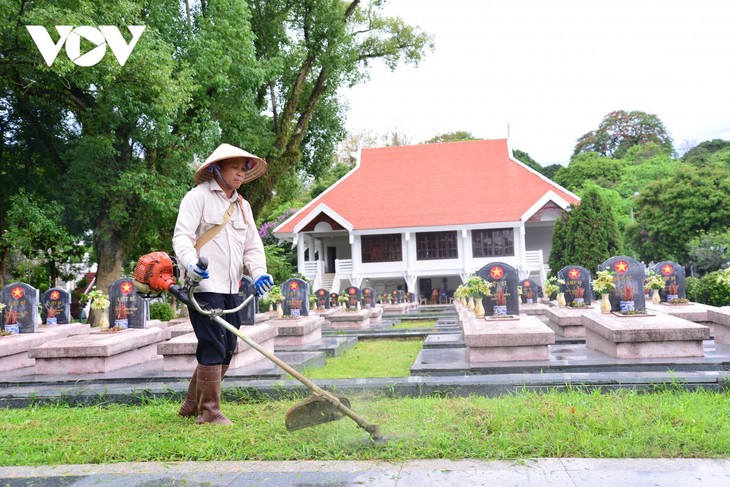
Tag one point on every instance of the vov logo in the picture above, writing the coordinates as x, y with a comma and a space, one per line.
71, 37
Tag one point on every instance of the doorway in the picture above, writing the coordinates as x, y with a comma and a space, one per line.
331, 256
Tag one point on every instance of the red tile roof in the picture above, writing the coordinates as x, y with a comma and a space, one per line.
426, 185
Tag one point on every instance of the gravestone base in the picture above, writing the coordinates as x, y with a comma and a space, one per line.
376, 315
396, 308
567, 322
14, 348
293, 332
98, 351
261, 317
720, 318
638, 337
695, 312
349, 320
524, 338
325, 313
178, 353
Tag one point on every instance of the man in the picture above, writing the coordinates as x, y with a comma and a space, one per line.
215, 222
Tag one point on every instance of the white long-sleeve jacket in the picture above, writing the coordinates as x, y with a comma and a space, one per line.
237, 244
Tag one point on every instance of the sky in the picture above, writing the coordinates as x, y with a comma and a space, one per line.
546, 72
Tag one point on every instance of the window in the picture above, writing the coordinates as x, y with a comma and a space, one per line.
381, 248
436, 245
493, 243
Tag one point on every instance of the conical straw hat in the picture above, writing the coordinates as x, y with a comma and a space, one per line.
225, 152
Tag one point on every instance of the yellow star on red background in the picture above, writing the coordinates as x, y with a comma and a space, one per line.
55, 295
621, 266
497, 272
17, 292
126, 287
667, 269
574, 273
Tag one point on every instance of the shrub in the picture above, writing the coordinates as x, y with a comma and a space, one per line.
161, 311
708, 289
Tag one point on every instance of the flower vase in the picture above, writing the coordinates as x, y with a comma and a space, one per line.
279, 310
605, 304
655, 298
561, 300
479, 308
470, 304
104, 319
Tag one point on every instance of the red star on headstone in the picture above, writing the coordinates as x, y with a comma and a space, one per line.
573, 273
17, 292
667, 269
126, 287
55, 295
294, 285
621, 266
496, 272
526, 284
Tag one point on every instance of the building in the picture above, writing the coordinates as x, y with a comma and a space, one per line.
425, 217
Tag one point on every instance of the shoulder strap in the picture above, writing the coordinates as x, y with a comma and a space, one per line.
213, 231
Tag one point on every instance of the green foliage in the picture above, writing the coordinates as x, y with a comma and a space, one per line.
161, 311
709, 289
458, 136
702, 153
602, 170
708, 252
621, 130
525, 159
588, 237
669, 212
277, 263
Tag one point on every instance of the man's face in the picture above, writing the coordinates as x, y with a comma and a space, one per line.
232, 172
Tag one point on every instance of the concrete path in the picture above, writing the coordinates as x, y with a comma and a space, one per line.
571, 472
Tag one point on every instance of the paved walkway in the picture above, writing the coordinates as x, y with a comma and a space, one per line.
571, 472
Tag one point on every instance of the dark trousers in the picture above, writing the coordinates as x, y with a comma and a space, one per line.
215, 344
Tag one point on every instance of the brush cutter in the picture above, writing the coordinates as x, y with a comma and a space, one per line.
155, 273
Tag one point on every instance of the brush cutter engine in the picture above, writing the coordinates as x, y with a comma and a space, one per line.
156, 273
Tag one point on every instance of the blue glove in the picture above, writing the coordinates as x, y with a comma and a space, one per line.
263, 283
196, 272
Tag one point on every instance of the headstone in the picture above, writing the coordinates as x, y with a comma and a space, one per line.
334, 303
21, 308
323, 298
355, 296
628, 275
56, 306
369, 297
398, 296
577, 284
296, 297
410, 297
247, 288
531, 292
127, 309
503, 279
673, 275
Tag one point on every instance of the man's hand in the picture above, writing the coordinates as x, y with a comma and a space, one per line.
197, 272
263, 283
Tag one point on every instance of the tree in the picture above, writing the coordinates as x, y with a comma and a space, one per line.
589, 235
700, 154
591, 166
709, 251
557, 260
309, 50
621, 130
669, 212
458, 136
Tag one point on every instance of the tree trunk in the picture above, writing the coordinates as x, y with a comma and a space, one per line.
110, 258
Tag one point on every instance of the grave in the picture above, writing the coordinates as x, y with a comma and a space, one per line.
720, 318
323, 299
644, 336
503, 280
127, 309
56, 307
179, 352
14, 348
577, 287
397, 304
247, 288
531, 292
369, 298
354, 296
98, 351
628, 276
296, 328
21, 308
674, 277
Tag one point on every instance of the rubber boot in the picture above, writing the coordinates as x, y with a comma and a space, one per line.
189, 408
209, 395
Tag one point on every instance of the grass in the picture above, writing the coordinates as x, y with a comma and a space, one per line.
669, 423
372, 359
405, 325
